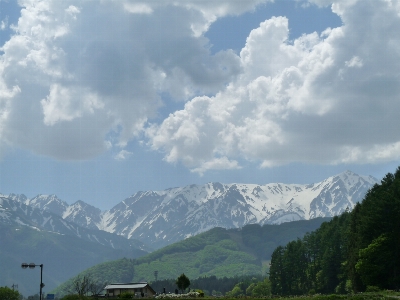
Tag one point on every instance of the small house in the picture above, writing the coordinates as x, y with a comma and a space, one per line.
140, 289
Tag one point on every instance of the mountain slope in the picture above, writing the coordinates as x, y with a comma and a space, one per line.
220, 252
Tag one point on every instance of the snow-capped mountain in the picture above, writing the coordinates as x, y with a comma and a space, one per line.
16, 213
47, 203
159, 218
80, 213
164, 217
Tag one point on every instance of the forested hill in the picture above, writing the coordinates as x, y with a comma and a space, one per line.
218, 252
357, 251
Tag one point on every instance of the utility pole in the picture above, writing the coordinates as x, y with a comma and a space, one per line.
156, 274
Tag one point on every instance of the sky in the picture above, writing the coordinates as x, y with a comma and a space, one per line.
102, 99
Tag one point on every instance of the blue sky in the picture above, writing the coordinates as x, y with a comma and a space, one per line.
99, 100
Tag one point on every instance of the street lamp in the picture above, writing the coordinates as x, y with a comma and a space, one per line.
32, 266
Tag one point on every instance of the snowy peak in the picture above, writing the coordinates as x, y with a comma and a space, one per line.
351, 179
49, 203
20, 198
83, 214
339, 193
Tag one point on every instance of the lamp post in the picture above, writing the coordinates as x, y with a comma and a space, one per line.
32, 266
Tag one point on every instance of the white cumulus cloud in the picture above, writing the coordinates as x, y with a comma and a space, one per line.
323, 98
66, 104
122, 155
222, 163
85, 70
4, 23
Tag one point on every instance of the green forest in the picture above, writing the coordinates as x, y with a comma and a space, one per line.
355, 252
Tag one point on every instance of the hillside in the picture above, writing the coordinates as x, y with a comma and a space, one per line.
220, 252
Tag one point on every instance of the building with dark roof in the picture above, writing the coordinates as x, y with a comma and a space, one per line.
140, 289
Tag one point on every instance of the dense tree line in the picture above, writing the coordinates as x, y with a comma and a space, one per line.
262, 240
352, 252
253, 287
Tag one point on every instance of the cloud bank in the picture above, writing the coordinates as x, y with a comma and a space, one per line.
75, 73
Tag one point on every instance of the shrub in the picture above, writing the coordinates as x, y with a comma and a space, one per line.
174, 296
372, 289
311, 292
201, 293
348, 286
126, 295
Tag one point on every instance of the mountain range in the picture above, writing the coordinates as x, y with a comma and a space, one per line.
160, 218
